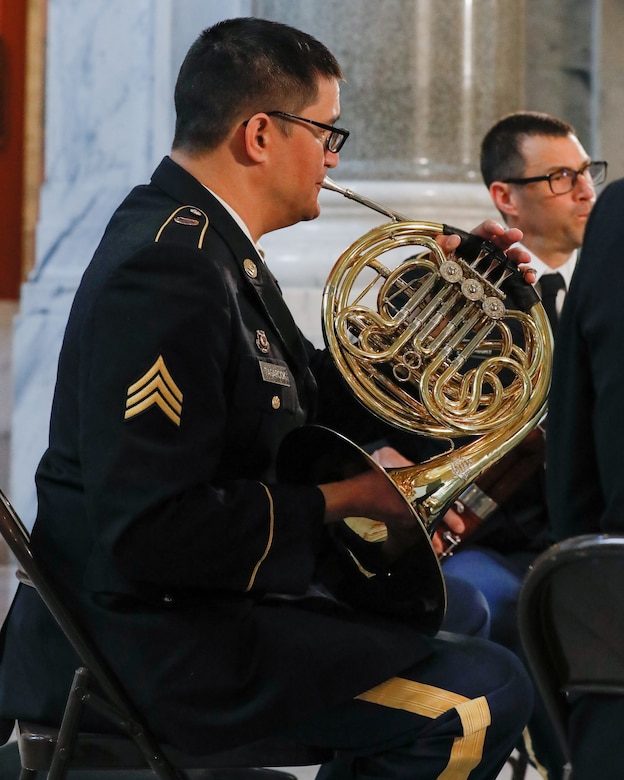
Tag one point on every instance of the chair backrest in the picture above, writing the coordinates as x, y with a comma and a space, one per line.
115, 703
571, 618
18, 540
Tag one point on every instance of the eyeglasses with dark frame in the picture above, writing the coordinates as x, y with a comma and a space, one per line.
336, 135
564, 180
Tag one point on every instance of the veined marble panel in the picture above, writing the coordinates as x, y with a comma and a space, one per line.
108, 120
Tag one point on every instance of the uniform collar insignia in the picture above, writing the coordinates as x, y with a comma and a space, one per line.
187, 224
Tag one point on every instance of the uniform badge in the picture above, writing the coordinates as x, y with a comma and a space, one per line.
275, 373
262, 341
251, 269
186, 225
155, 388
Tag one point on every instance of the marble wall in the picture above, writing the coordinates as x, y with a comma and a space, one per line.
107, 120
425, 79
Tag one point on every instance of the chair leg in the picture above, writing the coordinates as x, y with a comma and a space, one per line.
68, 731
519, 766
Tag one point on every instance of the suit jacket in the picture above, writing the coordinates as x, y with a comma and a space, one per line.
585, 462
159, 512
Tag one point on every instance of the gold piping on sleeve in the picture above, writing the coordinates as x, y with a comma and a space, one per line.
269, 540
368, 574
430, 702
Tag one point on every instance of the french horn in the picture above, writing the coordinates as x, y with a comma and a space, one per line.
454, 346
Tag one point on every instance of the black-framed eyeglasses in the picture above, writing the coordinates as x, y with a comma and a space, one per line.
336, 136
564, 180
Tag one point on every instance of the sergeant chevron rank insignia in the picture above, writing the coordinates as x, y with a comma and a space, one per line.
155, 388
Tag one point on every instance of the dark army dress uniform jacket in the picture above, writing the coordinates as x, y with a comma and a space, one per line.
159, 511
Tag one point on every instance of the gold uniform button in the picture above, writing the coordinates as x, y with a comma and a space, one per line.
250, 268
275, 402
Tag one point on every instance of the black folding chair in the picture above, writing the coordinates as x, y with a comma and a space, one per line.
571, 621
56, 750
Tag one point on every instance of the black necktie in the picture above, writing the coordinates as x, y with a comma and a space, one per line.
550, 284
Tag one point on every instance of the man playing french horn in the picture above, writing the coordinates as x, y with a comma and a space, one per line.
200, 574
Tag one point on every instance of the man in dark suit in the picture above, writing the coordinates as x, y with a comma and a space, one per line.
584, 446
542, 181
181, 372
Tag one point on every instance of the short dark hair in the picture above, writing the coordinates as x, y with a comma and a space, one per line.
242, 66
501, 155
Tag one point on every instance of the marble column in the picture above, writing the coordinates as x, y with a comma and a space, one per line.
609, 94
560, 67
424, 81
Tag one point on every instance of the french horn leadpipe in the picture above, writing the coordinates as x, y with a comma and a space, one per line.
329, 184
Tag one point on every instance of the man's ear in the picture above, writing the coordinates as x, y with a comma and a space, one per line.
503, 198
257, 131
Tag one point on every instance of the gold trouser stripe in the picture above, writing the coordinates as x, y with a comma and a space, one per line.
430, 702
528, 744
254, 573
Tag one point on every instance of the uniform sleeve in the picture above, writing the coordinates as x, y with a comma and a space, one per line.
155, 423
